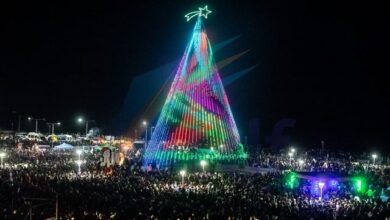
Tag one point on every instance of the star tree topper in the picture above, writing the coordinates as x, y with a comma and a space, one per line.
201, 12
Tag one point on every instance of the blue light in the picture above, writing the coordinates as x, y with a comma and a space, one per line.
333, 183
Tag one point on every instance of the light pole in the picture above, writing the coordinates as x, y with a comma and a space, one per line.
321, 185
151, 131
78, 162
52, 124
81, 120
145, 124
36, 122
182, 174
203, 164
79, 152
374, 156
301, 162
2, 155
19, 119
290, 154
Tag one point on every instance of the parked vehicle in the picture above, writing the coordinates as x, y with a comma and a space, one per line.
32, 136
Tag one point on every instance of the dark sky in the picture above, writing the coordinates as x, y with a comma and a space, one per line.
323, 63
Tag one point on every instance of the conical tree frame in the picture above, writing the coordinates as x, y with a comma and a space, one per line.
196, 122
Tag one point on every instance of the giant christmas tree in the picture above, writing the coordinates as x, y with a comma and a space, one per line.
196, 122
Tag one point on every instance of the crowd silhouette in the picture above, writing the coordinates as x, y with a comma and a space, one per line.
131, 192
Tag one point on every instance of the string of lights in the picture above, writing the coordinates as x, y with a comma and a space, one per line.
196, 122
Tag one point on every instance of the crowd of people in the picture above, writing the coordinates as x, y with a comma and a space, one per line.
35, 184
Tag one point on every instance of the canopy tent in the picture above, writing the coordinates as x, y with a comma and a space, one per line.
64, 146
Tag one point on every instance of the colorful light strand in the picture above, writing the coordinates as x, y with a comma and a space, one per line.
196, 118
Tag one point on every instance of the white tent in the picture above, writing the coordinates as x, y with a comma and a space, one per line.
63, 146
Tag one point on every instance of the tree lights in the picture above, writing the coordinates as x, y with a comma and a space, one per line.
196, 117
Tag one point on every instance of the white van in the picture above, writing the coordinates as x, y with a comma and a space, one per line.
32, 136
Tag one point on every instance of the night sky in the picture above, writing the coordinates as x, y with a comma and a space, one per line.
323, 64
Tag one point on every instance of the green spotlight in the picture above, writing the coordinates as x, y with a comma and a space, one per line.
359, 183
370, 193
291, 180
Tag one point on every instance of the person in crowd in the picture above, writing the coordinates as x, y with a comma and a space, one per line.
132, 192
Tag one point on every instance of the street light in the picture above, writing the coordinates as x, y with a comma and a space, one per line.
182, 174
301, 162
293, 150
145, 124
79, 152
374, 156
203, 164
321, 185
36, 122
52, 124
19, 119
81, 120
151, 131
2, 155
290, 154
79, 162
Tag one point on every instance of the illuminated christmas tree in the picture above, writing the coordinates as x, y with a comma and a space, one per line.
196, 122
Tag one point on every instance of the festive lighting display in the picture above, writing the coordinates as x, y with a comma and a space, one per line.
292, 180
196, 118
359, 184
333, 183
201, 12
370, 193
